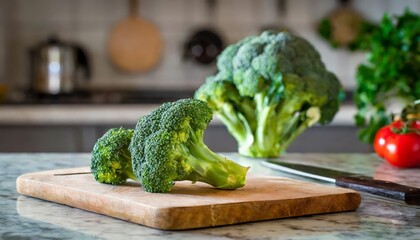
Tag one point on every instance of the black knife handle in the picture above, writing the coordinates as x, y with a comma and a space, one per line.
409, 195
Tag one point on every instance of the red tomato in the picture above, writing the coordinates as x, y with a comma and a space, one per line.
379, 143
400, 150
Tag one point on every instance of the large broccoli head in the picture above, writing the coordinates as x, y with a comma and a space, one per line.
169, 147
111, 159
268, 89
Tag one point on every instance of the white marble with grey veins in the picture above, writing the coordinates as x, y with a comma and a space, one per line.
29, 218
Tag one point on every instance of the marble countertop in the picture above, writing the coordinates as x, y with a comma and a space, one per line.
101, 114
29, 218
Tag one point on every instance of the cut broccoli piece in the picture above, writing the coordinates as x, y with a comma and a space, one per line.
169, 147
111, 159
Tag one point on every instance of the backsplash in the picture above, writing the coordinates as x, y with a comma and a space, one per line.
88, 22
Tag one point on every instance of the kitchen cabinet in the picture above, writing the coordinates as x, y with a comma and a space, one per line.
81, 138
41, 139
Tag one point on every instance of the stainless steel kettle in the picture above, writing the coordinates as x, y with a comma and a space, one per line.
57, 67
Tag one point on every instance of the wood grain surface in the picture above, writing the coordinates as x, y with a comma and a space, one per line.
189, 206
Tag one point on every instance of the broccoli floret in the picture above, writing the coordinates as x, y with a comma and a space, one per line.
145, 126
269, 89
169, 147
223, 97
111, 159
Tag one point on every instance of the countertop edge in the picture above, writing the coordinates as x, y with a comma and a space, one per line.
108, 114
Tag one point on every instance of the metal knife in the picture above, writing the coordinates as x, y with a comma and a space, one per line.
391, 190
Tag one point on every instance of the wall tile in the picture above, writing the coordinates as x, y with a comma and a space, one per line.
99, 12
354, 61
46, 11
373, 9
90, 21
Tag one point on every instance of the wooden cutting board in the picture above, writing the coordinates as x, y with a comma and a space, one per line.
189, 205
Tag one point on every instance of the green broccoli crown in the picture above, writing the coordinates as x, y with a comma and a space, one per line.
175, 151
254, 63
262, 64
111, 159
268, 89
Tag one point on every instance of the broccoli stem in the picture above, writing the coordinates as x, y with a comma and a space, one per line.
274, 133
265, 139
295, 126
132, 176
129, 169
212, 168
247, 108
236, 124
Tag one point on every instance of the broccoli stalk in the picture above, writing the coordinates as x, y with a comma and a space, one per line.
238, 123
268, 90
169, 147
209, 167
278, 125
271, 122
111, 160
265, 144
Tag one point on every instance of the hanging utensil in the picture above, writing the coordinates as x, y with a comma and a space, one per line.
135, 44
205, 44
344, 26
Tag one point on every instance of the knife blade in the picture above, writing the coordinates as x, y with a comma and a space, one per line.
67, 174
391, 190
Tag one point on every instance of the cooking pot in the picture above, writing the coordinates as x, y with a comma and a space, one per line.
57, 67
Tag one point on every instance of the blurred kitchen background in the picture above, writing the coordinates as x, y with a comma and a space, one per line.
107, 96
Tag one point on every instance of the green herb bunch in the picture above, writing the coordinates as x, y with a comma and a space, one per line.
392, 72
